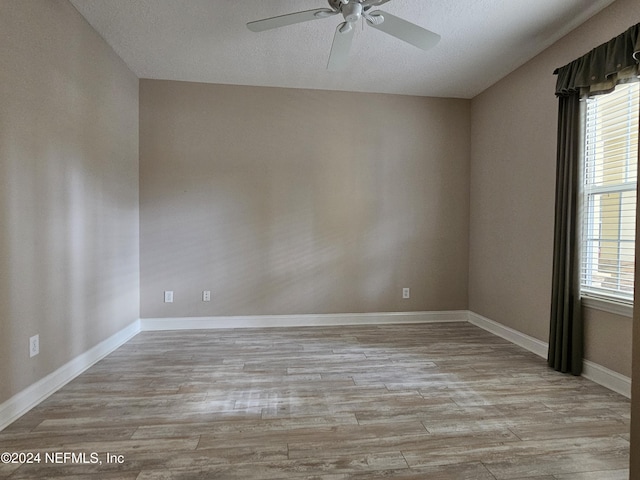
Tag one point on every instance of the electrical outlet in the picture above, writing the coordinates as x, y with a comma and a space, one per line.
206, 296
406, 292
34, 345
168, 296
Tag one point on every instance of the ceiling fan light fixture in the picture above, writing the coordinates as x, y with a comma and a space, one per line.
346, 27
375, 19
352, 12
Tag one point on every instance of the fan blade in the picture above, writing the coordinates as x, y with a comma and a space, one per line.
289, 19
342, 39
406, 31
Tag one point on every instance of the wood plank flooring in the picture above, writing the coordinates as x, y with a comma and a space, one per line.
433, 401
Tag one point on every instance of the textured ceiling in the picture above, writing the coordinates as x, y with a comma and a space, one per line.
207, 41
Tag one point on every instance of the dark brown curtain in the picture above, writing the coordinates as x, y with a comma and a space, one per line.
599, 71
565, 336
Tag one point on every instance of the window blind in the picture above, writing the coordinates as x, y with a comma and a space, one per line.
609, 194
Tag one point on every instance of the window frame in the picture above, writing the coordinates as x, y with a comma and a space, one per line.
593, 297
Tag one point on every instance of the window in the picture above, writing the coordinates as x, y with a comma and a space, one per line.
609, 194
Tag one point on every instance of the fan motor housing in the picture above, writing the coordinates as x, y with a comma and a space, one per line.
335, 5
352, 12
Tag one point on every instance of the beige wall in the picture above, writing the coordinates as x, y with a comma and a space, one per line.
278, 201
607, 340
513, 145
635, 380
68, 190
286, 201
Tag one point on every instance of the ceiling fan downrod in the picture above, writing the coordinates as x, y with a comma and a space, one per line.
354, 10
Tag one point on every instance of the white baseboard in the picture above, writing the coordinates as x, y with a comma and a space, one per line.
31, 396
527, 342
260, 321
607, 378
590, 370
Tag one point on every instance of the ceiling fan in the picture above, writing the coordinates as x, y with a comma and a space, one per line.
352, 11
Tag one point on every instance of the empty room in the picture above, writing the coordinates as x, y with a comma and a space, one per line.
311, 239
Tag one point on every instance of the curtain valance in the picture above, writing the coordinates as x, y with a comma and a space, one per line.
603, 67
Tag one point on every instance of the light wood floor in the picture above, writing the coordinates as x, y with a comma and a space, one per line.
435, 401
